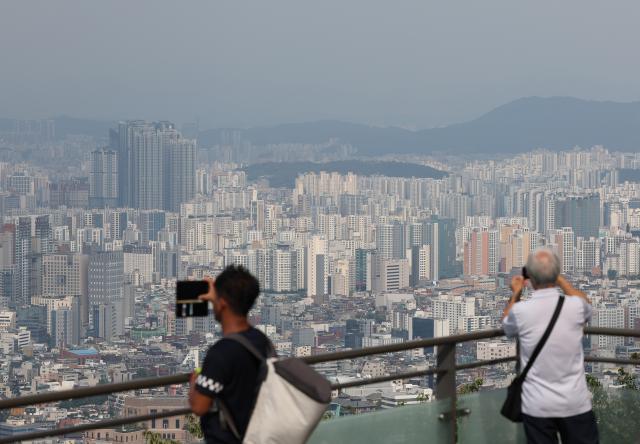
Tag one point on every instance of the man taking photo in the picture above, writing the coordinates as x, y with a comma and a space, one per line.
555, 398
229, 372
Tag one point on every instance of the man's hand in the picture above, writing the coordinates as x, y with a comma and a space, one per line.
569, 289
517, 285
211, 295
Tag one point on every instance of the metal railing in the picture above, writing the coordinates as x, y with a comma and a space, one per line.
445, 372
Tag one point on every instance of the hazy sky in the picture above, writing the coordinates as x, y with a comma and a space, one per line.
414, 63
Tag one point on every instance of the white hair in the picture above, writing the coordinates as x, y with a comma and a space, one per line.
543, 267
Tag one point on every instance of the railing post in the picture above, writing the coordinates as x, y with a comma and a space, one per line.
446, 384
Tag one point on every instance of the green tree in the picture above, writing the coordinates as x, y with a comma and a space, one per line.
327, 415
471, 387
616, 410
79, 402
627, 380
193, 427
156, 438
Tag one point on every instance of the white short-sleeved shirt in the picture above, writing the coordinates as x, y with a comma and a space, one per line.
555, 387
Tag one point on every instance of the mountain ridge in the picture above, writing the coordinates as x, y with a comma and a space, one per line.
524, 124
521, 125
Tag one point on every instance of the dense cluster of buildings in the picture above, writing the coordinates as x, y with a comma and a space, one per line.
88, 265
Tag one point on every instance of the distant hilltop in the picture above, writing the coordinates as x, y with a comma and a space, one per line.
555, 123
283, 174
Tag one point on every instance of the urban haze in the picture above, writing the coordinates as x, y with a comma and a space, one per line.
383, 168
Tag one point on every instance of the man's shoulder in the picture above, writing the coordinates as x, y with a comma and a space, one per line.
255, 335
227, 346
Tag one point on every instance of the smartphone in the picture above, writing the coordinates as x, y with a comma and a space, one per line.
524, 273
187, 303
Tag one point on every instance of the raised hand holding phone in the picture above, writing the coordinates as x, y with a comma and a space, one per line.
188, 302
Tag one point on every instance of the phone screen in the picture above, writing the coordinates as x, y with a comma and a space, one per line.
187, 303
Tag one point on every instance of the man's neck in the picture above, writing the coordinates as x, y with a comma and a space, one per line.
234, 325
548, 287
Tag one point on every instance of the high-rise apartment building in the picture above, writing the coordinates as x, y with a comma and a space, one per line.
454, 308
150, 224
105, 281
609, 316
103, 178
481, 252
156, 166
363, 269
581, 213
42, 243
440, 235
180, 172
429, 328
392, 275
562, 241
285, 270
390, 241
516, 243
317, 266
587, 254
65, 274
22, 277
118, 222
138, 264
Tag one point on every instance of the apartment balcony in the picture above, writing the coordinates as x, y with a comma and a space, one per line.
450, 418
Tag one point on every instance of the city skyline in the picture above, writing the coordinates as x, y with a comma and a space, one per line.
415, 64
388, 172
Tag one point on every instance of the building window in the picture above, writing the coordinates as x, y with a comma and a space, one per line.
165, 423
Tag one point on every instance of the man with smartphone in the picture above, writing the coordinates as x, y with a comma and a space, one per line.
229, 372
555, 398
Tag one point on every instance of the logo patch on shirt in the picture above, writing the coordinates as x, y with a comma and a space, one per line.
209, 384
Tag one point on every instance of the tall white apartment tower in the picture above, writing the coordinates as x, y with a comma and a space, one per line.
317, 266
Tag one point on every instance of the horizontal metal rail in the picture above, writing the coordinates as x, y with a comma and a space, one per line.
612, 360
342, 355
605, 331
417, 373
97, 390
486, 363
402, 346
109, 423
138, 384
385, 378
135, 419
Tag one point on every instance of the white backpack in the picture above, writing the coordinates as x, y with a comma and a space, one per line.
292, 398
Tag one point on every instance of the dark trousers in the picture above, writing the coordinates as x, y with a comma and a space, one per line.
579, 429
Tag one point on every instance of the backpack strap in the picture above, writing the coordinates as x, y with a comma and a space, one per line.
242, 340
544, 338
224, 414
226, 420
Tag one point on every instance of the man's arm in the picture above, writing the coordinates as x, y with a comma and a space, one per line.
200, 404
570, 290
517, 285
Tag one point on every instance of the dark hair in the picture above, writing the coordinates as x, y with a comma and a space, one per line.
238, 287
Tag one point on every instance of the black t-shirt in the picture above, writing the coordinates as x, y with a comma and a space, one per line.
230, 373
